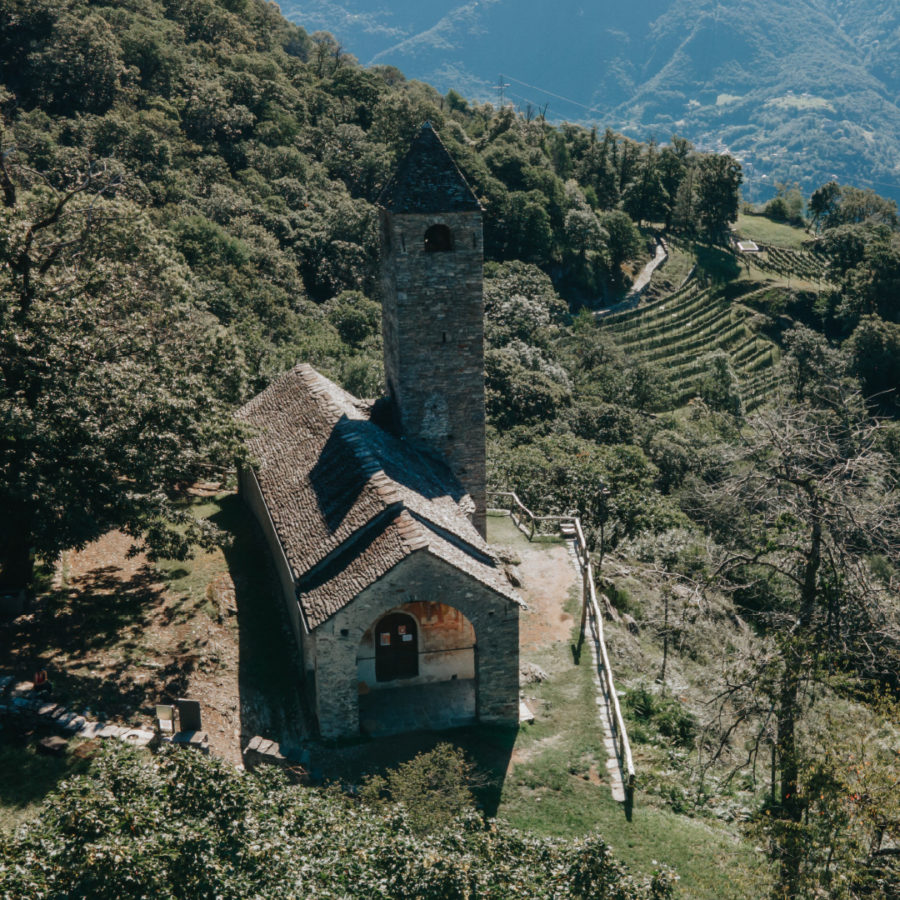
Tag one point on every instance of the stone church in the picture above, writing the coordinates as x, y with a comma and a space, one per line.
375, 513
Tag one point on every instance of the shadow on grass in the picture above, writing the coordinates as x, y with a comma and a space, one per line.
716, 263
268, 674
27, 777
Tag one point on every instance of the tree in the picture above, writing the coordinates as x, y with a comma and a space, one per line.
719, 387
624, 240
719, 178
177, 825
823, 203
113, 387
874, 351
810, 501
646, 198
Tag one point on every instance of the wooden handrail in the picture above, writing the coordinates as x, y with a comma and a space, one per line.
589, 601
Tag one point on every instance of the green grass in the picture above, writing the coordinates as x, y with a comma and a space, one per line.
552, 786
761, 229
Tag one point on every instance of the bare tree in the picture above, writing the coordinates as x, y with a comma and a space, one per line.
811, 500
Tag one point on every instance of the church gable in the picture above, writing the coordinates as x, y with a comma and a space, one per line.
347, 500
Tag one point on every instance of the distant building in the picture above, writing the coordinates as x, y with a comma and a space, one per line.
375, 515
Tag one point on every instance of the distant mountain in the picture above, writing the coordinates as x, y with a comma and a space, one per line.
801, 91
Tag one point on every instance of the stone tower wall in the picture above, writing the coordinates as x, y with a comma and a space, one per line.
433, 324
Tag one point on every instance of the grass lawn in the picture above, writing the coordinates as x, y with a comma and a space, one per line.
556, 784
554, 789
759, 228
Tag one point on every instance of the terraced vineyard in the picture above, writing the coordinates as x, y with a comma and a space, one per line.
790, 263
680, 331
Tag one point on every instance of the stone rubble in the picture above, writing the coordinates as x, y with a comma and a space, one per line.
22, 700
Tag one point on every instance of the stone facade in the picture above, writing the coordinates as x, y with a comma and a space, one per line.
494, 618
433, 312
433, 325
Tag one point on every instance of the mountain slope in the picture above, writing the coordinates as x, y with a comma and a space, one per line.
800, 92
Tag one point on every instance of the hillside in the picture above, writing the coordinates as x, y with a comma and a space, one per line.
188, 208
799, 92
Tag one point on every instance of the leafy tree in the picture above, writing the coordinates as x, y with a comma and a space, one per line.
434, 788
823, 204
646, 198
182, 825
874, 352
624, 240
520, 388
112, 387
814, 367
718, 198
673, 166
786, 205
719, 387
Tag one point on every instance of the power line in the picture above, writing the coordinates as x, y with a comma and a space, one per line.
501, 87
534, 87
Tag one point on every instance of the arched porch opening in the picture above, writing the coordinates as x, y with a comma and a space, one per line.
416, 670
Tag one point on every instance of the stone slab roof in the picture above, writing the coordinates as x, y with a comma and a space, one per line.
427, 180
348, 500
375, 551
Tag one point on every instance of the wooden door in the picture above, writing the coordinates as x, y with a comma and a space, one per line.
396, 647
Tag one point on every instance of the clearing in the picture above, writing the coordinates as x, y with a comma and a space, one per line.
119, 635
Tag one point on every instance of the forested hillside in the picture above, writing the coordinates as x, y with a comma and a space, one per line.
208, 173
189, 208
800, 92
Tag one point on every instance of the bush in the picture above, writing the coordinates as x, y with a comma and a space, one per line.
433, 787
666, 714
184, 825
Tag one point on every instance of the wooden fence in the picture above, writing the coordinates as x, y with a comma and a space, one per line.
570, 525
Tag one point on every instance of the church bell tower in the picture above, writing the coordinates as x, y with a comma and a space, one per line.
432, 253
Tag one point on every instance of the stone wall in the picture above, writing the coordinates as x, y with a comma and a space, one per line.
419, 577
433, 324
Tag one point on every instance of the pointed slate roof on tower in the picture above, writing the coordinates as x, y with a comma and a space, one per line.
427, 180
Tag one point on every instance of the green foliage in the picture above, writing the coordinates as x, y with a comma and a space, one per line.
433, 787
114, 385
624, 239
184, 825
786, 205
718, 181
718, 387
874, 356
663, 713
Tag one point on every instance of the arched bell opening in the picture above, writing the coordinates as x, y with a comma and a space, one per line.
438, 239
416, 670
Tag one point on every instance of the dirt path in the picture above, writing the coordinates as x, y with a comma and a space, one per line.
547, 579
633, 297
